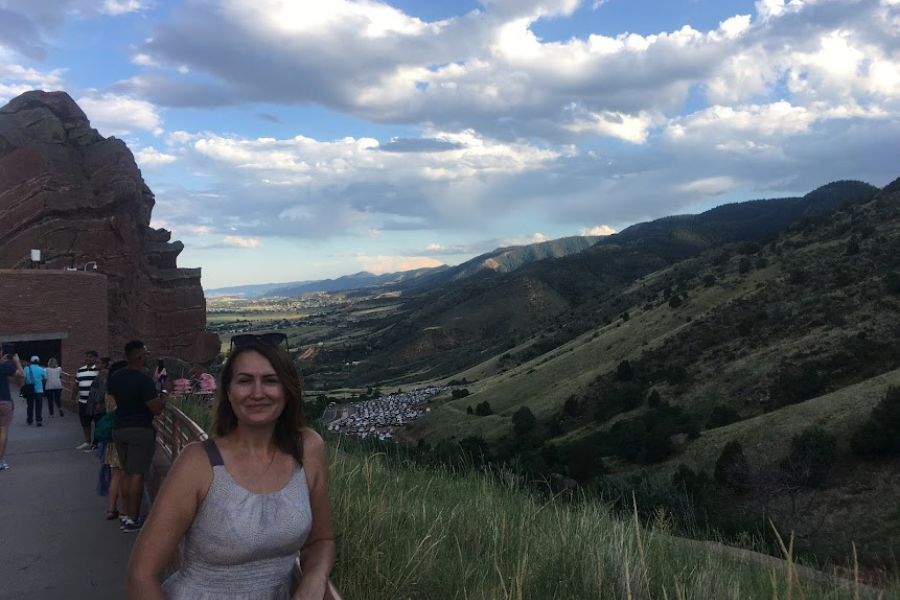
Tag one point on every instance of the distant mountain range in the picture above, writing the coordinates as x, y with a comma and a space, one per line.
661, 241
488, 310
501, 260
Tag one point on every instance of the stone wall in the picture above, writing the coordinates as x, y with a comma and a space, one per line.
69, 306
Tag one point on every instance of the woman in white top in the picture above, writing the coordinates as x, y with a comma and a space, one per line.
53, 386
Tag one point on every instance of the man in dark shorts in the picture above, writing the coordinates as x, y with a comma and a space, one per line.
10, 366
137, 402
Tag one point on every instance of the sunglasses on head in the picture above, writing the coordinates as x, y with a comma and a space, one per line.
275, 339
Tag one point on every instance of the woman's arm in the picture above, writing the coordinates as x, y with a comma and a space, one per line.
173, 511
317, 554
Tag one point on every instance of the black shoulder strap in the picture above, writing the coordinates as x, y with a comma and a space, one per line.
212, 451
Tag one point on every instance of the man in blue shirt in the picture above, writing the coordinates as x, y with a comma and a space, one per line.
10, 367
35, 373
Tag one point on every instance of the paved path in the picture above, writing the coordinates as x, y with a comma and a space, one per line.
54, 540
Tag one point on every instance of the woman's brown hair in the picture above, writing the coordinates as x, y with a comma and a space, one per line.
290, 422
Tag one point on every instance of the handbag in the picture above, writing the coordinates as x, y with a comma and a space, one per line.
27, 389
103, 428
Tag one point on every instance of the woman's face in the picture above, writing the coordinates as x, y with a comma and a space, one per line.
255, 393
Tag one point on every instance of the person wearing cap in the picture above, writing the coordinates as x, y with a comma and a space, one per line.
85, 378
10, 368
35, 374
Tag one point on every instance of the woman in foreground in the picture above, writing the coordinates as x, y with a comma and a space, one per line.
246, 500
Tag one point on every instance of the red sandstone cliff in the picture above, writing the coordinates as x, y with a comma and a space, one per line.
78, 197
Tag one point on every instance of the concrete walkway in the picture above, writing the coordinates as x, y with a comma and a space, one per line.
54, 539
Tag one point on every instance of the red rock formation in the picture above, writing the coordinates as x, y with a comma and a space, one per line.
80, 198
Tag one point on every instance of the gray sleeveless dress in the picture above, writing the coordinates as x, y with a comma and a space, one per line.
241, 545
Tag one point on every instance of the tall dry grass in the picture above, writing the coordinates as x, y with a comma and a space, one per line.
410, 533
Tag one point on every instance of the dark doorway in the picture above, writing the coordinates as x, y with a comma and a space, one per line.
43, 349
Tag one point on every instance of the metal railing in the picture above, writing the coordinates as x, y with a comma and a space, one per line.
174, 431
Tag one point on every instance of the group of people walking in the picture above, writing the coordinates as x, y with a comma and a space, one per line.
116, 405
34, 383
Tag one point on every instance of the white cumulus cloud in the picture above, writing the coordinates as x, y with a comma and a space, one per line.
121, 7
16, 79
236, 241
151, 157
597, 230
117, 115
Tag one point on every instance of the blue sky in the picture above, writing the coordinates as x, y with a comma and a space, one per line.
305, 140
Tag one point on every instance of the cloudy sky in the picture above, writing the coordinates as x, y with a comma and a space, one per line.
295, 140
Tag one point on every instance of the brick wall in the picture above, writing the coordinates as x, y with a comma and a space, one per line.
37, 304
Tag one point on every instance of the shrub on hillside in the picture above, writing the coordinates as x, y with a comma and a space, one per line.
616, 398
652, 497
483, 409
653, 399
476, 450
573, 407
583, 460
457, 394
880, 435
696, 485
524, 421
797, 384
647, 438
811, 456
628, 397
627, 439
871, 441
624, 372
657, 446
732, 468
721, 416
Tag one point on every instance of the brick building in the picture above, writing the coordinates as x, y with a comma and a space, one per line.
54, 313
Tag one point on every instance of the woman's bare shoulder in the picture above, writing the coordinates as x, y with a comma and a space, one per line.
311, 436
313, 445
193, 460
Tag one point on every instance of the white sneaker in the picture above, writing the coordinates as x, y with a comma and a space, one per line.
3, 466
83, 446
